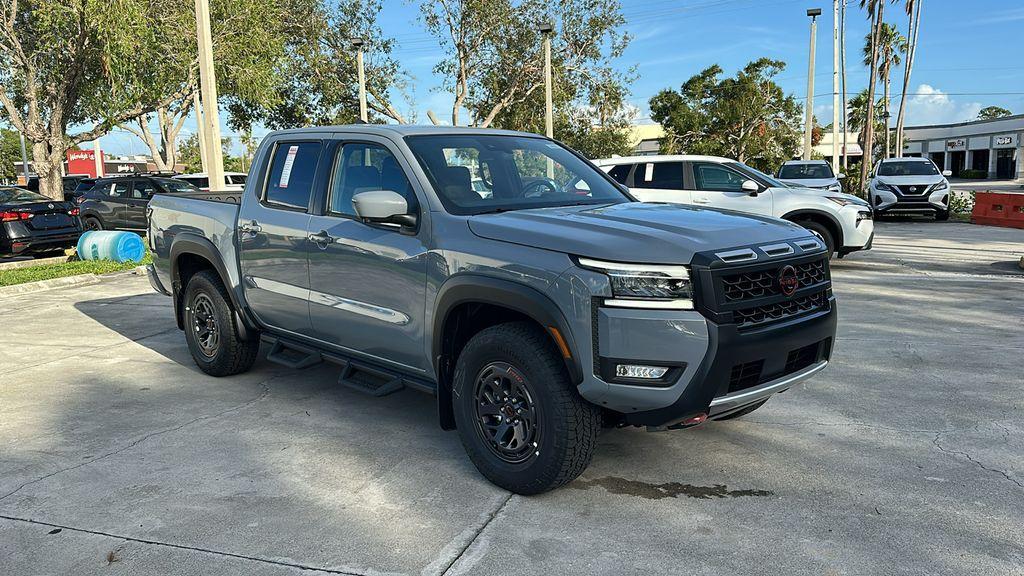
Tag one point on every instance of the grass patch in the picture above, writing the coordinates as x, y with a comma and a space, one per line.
60, 270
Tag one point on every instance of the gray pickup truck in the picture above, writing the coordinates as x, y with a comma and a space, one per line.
504, 274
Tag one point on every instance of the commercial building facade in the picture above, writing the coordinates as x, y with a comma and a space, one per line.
991, 147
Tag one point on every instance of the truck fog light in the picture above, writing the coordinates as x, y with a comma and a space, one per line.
640, 371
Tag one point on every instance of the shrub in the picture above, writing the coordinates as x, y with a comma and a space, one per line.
974, 174
961, 202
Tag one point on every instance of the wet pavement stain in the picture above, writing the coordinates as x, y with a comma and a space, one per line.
650, 491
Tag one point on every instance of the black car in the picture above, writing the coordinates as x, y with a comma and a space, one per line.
70, 185
33, 224
119, 202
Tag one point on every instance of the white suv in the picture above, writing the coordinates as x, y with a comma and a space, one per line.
910, 186
815, 174
842, 221
233, 181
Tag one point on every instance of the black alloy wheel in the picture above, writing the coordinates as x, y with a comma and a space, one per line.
204, 324
506, 413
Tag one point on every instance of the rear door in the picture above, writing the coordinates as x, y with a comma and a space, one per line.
660, 182
135, 206
111, 202
719, 186
272, 225
368, 281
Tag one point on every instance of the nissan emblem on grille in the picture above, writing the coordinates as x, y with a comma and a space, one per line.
913, 188
788, 282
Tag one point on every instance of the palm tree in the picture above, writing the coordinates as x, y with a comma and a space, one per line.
914, 13
875, 9
858, 112
890, 45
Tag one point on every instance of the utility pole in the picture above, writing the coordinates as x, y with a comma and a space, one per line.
809, 112
197, 106
358, 43
208, 86
24, 158
547, 29
842, 65
835, 85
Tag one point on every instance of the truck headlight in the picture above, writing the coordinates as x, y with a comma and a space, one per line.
645, 285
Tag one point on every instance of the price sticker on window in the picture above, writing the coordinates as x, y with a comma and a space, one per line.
286, 172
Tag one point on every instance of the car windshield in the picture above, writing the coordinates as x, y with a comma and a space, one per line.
757, 175
174, 186
908, 168
805, 171
474, 174
19, 196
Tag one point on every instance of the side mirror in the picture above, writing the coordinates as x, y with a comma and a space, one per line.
750, 187
840, 176
947, 173
383, 207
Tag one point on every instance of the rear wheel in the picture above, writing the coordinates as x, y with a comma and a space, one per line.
211, 331
743, 412
822, 233
92, 223
521, 420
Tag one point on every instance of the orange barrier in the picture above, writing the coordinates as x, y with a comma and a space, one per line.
998, 209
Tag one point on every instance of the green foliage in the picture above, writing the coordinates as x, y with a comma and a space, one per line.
961, 202
993, 112
747, 117
188, 154
579, 132
10, 152
857, 112
852, 184
63, 269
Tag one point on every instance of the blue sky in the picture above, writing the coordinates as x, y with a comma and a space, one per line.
968, 58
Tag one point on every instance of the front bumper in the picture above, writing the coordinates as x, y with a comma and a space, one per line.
888, 202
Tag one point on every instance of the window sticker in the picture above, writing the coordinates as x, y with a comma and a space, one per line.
286, 172
649, 172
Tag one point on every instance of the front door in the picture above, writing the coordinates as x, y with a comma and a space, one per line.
1005, 166
273, 251
138, 200
660, 182
368, 281
719, 186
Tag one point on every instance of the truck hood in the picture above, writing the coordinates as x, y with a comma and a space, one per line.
636, 232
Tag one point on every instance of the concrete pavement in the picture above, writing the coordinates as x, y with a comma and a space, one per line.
904, 457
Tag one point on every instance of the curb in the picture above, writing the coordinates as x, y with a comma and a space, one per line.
32, 262
65, 282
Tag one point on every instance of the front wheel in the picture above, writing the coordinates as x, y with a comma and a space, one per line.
210, 331
942, 215
520, 419
822, 233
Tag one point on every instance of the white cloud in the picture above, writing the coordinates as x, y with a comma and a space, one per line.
929, 105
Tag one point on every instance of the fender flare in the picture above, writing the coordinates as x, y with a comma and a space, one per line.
191, 243
474, 288
796, 214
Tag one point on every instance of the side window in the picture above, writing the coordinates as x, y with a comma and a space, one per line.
659, 175
199, 182
620, 173
717, 178
118, 189
361, 167
143, 190
292, 170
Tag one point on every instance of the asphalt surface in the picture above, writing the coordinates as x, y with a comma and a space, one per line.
906, 456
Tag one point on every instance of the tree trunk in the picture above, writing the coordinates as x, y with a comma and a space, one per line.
48, 163
869, 120
914, 26
885, 79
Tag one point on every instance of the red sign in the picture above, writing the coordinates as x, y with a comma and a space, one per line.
83, 162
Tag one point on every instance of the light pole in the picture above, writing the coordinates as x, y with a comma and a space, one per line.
809, 113
208, 87
24, 158
358, 43
835, 85
547, 29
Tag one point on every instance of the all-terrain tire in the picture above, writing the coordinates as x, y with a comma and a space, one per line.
207, 298
566, 426
743, 412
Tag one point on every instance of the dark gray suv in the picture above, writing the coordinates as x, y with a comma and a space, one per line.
120, 202
504, 274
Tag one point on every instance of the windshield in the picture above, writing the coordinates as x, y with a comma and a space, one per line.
805, 171
757, 175
910, 168
473, 174
20, 195
172, 185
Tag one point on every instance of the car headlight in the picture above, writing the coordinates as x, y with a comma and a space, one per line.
847, 201
940, 186
645, 285
884, 186
835, 187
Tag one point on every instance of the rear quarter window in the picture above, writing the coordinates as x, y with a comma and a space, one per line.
620, 173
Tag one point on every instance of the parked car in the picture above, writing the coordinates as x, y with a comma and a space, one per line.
910, 186
233, 181
842, 221
534, 314
119, 202
69, 184
32, 224
816, 174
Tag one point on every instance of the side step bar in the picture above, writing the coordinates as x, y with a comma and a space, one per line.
291, 354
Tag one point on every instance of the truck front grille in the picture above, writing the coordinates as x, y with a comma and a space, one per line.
779, 310
760, 283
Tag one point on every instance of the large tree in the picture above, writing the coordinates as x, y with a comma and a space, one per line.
876, 9
92, 64
992, 112
493, 61
747, 117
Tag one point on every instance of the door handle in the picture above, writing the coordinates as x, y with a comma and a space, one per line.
322, 239
701, 200
250, 228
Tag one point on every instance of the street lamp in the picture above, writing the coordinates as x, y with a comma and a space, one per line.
809, 112
358, 43
547, 29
